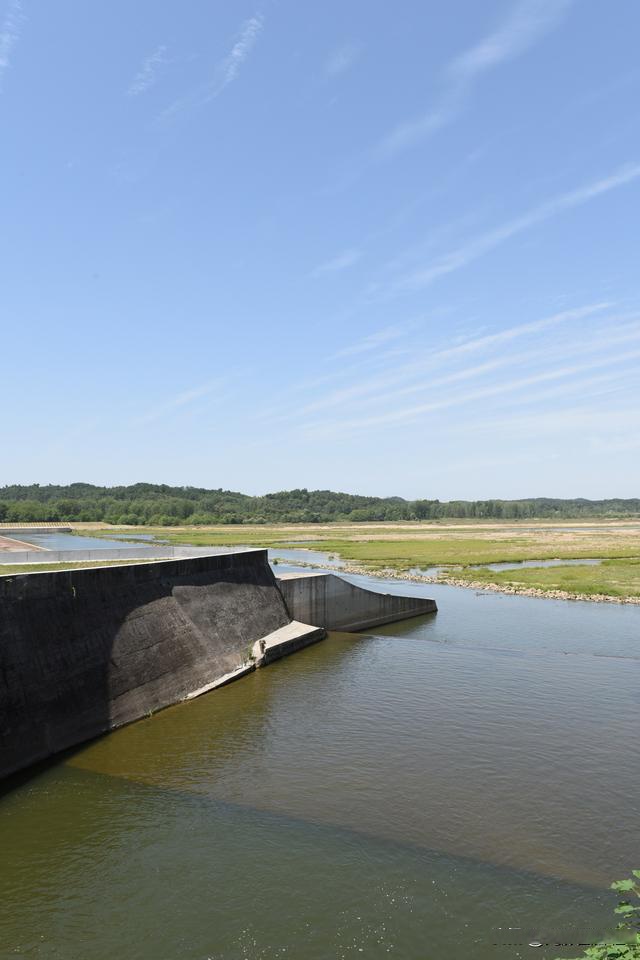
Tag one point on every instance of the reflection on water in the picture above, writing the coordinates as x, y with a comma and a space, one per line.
447, 787
518, 565
323, 560
69, 541
291, 556
138, 537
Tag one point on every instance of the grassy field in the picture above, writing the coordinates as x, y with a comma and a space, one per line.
613, 578
404, 554
401, 547
458, 546
10, 569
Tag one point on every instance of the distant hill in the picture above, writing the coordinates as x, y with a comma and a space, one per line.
158, 504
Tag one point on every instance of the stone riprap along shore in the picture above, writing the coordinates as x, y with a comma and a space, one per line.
446, 579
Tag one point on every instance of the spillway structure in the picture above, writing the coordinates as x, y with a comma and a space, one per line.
85, 651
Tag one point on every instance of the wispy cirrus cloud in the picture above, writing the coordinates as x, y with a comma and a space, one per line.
147, 75
545, 354
528, 22
169, 406
380, 384
10, 34
480, 245
342, 262
342, 59
229, 68
417, 411
226, 71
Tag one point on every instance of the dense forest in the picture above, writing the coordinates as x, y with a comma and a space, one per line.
158, 504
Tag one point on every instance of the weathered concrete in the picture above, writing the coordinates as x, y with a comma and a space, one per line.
248, 667
293, 636
42, 555
84, 651
335, 604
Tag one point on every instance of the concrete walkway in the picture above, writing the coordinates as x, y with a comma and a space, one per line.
293, 636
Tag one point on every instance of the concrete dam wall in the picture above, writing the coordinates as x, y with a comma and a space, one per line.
84, 651
335, 604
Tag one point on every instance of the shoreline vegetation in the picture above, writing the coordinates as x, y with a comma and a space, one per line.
403, 551
511, 588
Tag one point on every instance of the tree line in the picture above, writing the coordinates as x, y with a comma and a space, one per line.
152, 504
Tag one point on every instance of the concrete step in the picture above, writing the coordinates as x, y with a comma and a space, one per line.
293, 636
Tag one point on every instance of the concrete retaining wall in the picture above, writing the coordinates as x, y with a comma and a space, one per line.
134, 552
80, 556
8, 529
84, 651
333, 603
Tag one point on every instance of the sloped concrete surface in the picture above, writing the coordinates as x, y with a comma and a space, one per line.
84, 651
335, 604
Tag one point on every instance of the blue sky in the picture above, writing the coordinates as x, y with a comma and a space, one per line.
382, 248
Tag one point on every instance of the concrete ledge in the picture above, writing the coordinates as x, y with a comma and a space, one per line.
336, 604
133, 552
9, 527
294, 636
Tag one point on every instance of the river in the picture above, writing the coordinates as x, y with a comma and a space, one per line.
454, 786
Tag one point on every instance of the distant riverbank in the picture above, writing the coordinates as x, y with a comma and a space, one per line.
480, 585
403, 552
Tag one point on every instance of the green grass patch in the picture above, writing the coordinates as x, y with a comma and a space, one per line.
613, 578
404, 554
437, 548
233, 535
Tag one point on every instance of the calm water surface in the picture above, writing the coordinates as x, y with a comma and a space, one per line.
290, 556
69, 541
452, 786
520, 564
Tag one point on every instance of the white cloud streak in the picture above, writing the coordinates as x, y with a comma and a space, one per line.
180, 400
148, 73
226, 71
584, 416
412, 413
527, 23
375, 385
9, 34
545, 355
341, 262
486, 242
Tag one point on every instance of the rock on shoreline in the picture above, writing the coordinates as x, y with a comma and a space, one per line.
479, 585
